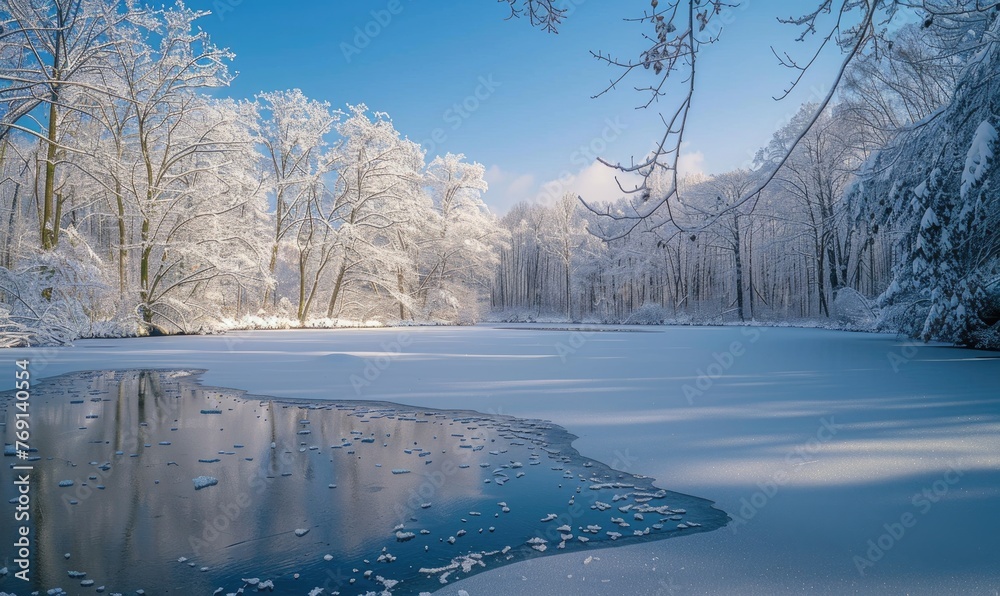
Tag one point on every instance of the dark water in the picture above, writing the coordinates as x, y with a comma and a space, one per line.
470, 491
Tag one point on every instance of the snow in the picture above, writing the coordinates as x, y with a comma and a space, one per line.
977, 161
899, 416
204, 482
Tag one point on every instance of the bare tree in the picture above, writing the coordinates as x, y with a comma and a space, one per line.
49, 48
681, 29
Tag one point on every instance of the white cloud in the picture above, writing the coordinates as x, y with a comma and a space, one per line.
596, 183
507, 188
691, 164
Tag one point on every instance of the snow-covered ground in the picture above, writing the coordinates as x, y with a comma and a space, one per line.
815, 442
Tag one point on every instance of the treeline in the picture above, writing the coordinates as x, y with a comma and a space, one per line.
133, 201
884, 216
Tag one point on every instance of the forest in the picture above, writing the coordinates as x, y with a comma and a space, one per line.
135, 198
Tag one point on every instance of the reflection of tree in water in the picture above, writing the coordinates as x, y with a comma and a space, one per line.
131, 534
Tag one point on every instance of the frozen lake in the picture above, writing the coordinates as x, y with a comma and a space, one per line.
150, 481
848, 462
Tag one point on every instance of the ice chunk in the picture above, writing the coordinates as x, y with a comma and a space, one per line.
204, 482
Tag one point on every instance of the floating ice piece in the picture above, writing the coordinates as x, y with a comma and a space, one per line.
300, 532
614, 535
549, 517
65, 483
204, 482
564, 528
404, 536
76, 574
327, 557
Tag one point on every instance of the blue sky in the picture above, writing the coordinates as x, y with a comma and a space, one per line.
456, 76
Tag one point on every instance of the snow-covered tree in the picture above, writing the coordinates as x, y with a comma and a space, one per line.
937, 180
49, 52
377, 202
459, 251
293, 133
